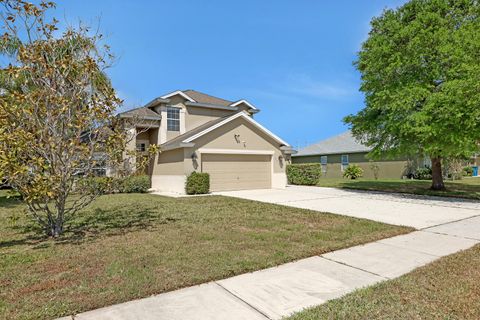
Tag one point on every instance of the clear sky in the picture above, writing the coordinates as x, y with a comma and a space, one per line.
290, 58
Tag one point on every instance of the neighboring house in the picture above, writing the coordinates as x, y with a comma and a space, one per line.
336, 153
199, 132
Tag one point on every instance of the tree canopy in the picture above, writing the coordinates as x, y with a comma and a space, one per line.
420, 73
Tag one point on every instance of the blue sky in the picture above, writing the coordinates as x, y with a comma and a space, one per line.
292, 59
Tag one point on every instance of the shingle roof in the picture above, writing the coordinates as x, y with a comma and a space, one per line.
201, 100
205, 98
142, 112
342, 143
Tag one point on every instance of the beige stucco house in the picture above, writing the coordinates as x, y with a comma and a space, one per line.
199, 132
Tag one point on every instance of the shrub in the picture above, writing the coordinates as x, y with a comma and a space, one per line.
135, 184
353, 172
304, 174
468, 171
423, 174
198, 183
108, 185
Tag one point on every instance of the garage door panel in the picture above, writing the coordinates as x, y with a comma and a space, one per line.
237, 172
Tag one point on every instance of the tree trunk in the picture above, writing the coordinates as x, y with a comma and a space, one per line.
55, 224
56, 229
437, 177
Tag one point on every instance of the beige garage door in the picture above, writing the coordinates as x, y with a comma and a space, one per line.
237, 172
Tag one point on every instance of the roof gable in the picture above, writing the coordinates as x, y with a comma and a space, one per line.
178, 92
243, 101
233, 117
187, 138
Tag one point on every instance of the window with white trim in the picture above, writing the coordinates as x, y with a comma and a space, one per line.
345, 161
323, 162
173, 119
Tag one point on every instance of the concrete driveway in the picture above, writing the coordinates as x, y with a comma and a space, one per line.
394, 208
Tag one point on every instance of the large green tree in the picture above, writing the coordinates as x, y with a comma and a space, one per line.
420, 71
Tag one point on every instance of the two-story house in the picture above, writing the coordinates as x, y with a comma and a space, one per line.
199, 132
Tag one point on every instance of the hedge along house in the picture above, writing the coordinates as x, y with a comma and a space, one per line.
202, 133
336, 153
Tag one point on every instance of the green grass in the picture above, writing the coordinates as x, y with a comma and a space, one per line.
466, 188
129, 246
448, 288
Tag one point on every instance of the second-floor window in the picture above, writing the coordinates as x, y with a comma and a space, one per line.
173, 119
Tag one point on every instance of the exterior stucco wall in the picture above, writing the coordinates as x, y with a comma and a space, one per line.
388, 169
170, 163
168, 171
169, 183
153, 135
196, 116
172, 134
145, 135
171, 167
249, 138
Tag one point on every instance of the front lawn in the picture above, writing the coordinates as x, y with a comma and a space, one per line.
466, 188
448, 288
129, 246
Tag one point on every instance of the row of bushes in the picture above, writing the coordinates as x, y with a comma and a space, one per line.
309, 174
197, 183
426, 173
107, 185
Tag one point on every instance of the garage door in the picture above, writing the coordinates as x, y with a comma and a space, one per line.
237, 172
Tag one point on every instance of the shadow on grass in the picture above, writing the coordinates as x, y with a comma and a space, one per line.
114, 221
117, 220
92, 224
9, 200
31, 233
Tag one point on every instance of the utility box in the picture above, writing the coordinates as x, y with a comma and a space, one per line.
475, 171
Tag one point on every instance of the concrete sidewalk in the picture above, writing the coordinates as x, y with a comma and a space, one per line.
280, 291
